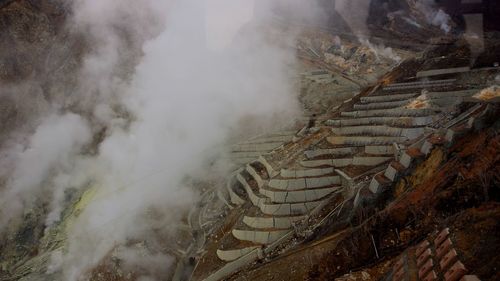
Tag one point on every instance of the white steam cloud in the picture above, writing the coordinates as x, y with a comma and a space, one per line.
158, 125
355, 14
50, 152
434, 15
184, 99
381, 50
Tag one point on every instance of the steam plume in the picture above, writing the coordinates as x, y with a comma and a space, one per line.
131, 136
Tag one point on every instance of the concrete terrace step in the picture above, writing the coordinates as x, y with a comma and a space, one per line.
289, 209
436, 97
368, 149
333, 152
419, 84
269, 168
267, 207
258, 236
452, 94
234, 197
379, 149
299, 195
362, 140
388, 98
234, 254
378, 130
391, 121
256, 199
396, 112
303, 183
380, 105
271, 222
285, 173
255, 175
339, 163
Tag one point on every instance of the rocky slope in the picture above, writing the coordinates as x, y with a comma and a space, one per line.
356, 234
343, 211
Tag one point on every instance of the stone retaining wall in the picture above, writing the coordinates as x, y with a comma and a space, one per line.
339, 163
380, 105
285, 173
303, 183
333, 152
395, 112
392, 121
360, 140
256, 236
388, 98
271, 222
379, 149
378, 130
298, 196
231, 255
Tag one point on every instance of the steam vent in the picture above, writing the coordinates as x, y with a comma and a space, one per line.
283, 140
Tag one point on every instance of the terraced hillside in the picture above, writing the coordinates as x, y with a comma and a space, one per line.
389, 172
336, 173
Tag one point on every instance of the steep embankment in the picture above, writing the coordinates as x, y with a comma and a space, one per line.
454, 187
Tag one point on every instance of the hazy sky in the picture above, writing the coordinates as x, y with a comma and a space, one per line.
221, 30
